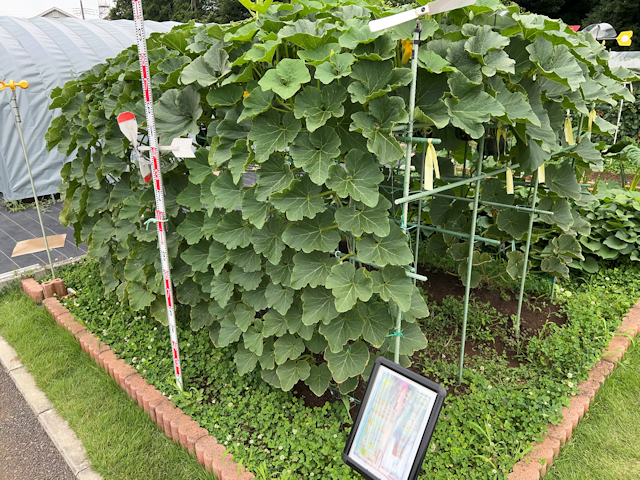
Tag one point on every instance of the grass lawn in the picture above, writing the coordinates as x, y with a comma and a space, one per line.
121, 440
606, 445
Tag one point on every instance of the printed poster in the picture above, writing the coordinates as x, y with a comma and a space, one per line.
392, 426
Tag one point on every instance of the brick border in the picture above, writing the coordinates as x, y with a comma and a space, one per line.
534, 465
181, 428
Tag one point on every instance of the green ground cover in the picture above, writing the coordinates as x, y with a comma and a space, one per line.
121, 440
483, 429
606, 446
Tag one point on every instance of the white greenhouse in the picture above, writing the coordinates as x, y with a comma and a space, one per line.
47, 53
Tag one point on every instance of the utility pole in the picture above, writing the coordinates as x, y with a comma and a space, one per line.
82, 9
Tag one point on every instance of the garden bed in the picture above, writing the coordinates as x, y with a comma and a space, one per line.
506, 402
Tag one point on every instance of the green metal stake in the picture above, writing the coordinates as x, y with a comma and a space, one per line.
415, 260
526, 256
16, 113
407, 163
472, 232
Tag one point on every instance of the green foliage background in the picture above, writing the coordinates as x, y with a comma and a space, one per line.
305, 97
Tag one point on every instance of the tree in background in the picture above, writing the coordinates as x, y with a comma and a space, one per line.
621, 14
204, 11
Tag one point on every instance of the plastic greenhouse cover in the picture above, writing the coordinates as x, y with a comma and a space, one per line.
629, 60
48, 53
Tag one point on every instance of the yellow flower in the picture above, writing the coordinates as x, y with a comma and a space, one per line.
245, 94
407, 48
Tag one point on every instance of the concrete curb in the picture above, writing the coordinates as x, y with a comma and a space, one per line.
36, 271
65, 439
534, 465
177, 426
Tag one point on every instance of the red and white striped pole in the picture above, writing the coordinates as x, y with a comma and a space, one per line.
158, 188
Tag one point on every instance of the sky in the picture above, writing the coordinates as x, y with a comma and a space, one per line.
31, 8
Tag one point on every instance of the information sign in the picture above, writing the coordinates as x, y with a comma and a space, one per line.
390, 436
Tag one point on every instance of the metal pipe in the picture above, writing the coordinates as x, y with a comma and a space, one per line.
410, 274
435, 141
417, 196
407, 163
417, 247
527, 248
490, 241
472, 234
519, 208
16, 113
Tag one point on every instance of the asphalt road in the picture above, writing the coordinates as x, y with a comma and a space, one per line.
26, 451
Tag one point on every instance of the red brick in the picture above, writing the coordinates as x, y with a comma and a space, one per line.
525, 471
587, 389
76, 328
183, 431
177, 423
65, 319
628, 328
596, 376
148, 396
154, 403
193, 435
580, 400
201, 445
137, 383
113, 366
247, 476
544, 453
218, 464
121, 373
567, 424
105, 357
557, 432
212, 456
83, 337
143, 392
595, 386
98, 349
127, 382
59, 287
167, 418
162, 410
49, 289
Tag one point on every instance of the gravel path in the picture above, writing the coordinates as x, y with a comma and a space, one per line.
26, 451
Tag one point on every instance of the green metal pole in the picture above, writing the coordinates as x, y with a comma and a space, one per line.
16, 113
526, 257
407, 163
472, 232
418, 224
417, 196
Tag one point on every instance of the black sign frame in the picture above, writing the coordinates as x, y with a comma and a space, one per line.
438, 401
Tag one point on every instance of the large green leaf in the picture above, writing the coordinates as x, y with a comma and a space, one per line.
349, 362
375, 126
139, 296
365, 219
563, 181
311, 269
482, 39
358, 179
287, 78
377, 323
318, 306
272, 132
556, 62
245, 360
177, 113
305, 34
412, 339
349, 285
226, 193
471, 106
197, 256
317, 106
279, 297
268, 239
338, 66
315, 153
348, 326
253, 210
301, 200
291, 372
233, 231
288, 347
375, 79
392, 283
274, 176
390, 250
309, 234
319, 378
256, 102
514, 223
208, 68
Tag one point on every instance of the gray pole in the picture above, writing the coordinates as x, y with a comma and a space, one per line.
16, 113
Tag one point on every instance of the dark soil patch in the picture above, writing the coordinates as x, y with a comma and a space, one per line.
607, 176
536, 312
